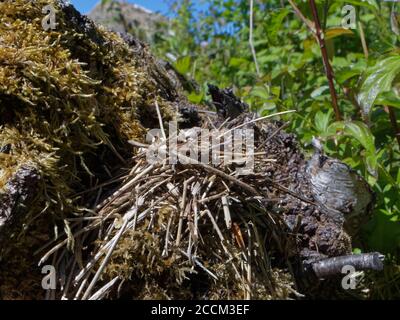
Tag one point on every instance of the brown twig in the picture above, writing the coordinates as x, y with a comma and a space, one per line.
325, 57
334, 266
225, 176
285, 125
393, 121
300, 15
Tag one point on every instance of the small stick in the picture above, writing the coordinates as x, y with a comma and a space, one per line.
165, 252
138, 144
189, 248
363, 40
91, 263
69, 280
196, 261
114, 180
286, 190
300, 15
211, 123
334, 266
103, 290
250, 243
227, 213
108, 256
393, 121
266, 261
125, 187
222, 174
183, 204
209, 186
160, 121
196, 221
223, 124
222, 240
256, 120
234, 180
285, 125
211, 198
325, 58
80, 289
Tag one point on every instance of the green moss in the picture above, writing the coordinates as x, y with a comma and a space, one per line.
66, 95
70, 98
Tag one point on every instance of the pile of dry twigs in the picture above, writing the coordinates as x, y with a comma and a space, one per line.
186, 230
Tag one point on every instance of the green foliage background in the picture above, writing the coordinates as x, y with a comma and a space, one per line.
213, 47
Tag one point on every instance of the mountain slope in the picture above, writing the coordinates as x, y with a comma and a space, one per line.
123, 17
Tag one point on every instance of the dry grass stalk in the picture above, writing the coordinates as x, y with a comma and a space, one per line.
186, 207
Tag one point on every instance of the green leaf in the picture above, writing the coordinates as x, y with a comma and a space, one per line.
337, 32
345, 74
371, 4
385, 235
195, 98
261, 92
237, 62
267, 108
359, 131
379, 79
388, 99
276, 91
322, 120
276, 23
182, 65
319, 91
362, 133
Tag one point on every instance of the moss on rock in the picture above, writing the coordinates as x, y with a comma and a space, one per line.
70, 99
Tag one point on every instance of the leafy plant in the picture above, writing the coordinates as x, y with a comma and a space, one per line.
379, 80
366, 69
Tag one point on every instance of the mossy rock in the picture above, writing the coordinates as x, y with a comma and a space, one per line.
70, 99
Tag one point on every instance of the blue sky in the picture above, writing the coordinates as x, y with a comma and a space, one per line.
84, 6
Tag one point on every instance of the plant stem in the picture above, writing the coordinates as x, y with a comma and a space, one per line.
393, 121
363, 41
251, 39
327, 65
300, 15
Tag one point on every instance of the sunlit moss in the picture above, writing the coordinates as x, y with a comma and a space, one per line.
70, 98
67, 91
